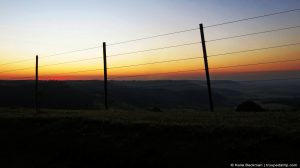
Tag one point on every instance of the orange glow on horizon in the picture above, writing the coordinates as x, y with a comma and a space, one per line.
181, 70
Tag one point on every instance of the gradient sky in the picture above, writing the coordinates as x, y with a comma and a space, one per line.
47, 27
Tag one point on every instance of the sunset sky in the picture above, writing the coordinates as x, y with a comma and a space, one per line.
44, 28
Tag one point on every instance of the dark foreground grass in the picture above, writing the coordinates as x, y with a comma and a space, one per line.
146, 139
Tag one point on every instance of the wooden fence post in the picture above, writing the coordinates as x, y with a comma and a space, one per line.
206, 68
105, 76
37, 84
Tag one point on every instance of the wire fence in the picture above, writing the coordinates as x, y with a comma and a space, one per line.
138, 75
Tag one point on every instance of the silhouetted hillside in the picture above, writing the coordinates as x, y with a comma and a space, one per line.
164, 94
52, 95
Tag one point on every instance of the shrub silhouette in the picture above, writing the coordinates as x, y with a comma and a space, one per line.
155, 109
249, 106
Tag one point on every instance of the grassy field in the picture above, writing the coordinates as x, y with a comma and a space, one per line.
115, 138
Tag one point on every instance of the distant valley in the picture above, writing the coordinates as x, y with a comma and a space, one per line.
167, 95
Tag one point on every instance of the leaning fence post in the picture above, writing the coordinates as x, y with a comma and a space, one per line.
105, 76
206, 68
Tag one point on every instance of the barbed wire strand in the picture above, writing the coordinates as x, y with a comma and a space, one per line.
69, 62
52, 55
19, 61
240, 65
198, 42
154, 36
18, 78
20, 69
214, 25
260, 63
251, 18
250, 34
163, 73
157, 62
256, 49
69, 52
154, 49
73, 72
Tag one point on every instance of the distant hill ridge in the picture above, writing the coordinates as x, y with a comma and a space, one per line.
165, 94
